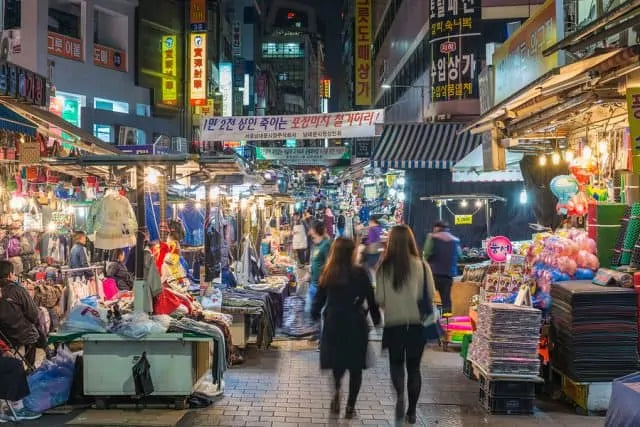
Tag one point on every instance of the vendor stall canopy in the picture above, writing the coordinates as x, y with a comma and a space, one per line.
565, 102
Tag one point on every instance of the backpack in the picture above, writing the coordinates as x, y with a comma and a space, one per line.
14, 247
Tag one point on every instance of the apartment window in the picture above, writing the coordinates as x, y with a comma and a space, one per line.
143, 110
103, 132
64, 18
110, 105
141, 137
11, 14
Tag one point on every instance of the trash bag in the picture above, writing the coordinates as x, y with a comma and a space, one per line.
50, 384
84, 318
142, 376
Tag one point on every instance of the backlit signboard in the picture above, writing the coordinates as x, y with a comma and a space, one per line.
226, 88
169, 68
198, 68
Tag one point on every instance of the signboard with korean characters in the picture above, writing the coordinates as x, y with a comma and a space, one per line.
352, 124
198, 69
455, 49
169, 70
198, 15
108, 57
64, 46
363, 39
304, 155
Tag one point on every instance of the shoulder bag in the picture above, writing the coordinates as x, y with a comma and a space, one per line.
432, 329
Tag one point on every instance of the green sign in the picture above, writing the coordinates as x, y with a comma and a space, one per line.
302, 156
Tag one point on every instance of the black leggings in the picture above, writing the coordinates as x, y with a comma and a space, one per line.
397, 362
355, 381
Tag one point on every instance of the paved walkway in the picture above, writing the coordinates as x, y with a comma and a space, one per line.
284, 387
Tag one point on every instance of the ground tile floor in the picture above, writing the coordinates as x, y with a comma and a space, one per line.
284, 387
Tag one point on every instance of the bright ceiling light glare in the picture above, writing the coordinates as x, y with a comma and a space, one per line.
569, 155
603, 147
586, 152
542, 160
152, 176
555, 158
214, 192
523, 197
464, 203
478, 203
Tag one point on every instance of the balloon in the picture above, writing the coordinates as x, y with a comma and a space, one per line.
563, 187
582, 170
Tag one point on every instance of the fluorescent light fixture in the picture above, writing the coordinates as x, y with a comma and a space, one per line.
385, 86
245, 95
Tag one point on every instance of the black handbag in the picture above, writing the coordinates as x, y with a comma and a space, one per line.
431, 326
142, 376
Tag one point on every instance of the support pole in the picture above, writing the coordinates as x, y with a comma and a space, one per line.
487, 207
142, 224
162, 197
208, 273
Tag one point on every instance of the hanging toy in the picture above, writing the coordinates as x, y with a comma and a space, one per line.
563, 187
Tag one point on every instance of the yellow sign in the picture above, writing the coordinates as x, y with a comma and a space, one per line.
519, 60
325, 88
362, 51
198, 69
169, 68
464, 219
633, 107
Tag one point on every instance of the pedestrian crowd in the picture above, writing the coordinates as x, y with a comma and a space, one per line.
342, 297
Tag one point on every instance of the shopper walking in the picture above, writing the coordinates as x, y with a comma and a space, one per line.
300, 240
374, 244
319, 255
400, 283
341, 223
346, 294
441, 250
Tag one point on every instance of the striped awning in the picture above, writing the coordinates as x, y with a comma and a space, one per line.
14, 122
423, 145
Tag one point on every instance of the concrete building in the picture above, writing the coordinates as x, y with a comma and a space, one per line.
88, 50
404, 50
292, 47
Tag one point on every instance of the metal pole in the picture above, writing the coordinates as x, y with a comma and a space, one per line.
422, 105
163, 228
208, 274
142, 224
487, 208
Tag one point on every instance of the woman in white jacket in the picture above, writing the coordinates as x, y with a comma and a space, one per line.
300, 239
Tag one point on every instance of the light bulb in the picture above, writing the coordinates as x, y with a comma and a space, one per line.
586, 152
180, 206
603, 147
569, 155
152, 176
198, 205
523, 197
463, 203
16, 202
542, 160
51, 227
555, 158
478, 203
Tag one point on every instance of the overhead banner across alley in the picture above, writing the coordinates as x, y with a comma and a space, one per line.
352, 124
304, 155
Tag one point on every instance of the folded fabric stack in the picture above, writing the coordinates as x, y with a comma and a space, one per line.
295, 322
245, 301
594, 331
507, 339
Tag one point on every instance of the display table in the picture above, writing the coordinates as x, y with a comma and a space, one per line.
624, 410
178, 363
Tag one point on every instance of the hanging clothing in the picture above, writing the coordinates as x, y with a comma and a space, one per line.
299, 237
112, 222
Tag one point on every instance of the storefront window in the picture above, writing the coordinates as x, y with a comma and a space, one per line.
103, 132
110, 105
143, 110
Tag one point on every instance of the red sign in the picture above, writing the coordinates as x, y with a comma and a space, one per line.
108, 57
198, 92
65, 47
448, 47
498, 248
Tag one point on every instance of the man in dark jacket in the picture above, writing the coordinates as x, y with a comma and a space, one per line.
19, 314
441, 251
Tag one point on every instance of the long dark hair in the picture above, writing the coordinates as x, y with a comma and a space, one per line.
340, 261
401, 248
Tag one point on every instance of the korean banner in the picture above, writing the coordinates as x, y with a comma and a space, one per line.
352, 124
304, 155
198, 61
65, 47
455, 49
633, 106
362, 52
108, 57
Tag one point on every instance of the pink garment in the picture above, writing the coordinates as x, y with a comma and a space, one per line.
110, 288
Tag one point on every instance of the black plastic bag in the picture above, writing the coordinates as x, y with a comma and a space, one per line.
142, 376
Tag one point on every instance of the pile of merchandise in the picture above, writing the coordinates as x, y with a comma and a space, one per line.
506, 341
594, 331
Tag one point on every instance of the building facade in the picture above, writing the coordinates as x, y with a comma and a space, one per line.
87, 49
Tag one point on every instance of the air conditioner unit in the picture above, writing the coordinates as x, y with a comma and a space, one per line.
127, 136
9, 44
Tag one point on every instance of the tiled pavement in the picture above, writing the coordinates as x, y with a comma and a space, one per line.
284, 387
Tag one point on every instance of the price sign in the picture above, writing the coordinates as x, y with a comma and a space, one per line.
464, 219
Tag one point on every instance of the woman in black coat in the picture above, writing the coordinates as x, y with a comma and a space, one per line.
346, 294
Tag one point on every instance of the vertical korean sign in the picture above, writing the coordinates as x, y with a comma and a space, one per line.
226, 88
198, 73
362, 52
198, 15
633, 106
455, 47
169, 70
